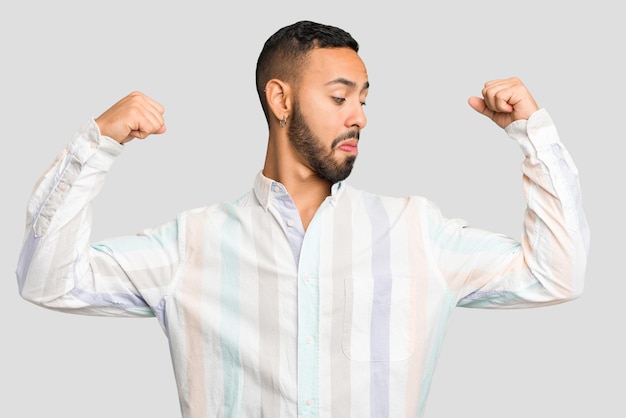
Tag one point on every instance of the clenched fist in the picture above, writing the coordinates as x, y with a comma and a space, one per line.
505, 101
134, 116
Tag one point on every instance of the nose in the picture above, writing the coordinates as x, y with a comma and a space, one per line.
357, 118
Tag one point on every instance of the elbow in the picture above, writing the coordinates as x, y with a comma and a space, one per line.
569, 290
569, 296
563, 279
39, 292
576, 292
36, 298
576, 284
37, 301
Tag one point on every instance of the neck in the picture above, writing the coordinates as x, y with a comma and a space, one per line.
307, 189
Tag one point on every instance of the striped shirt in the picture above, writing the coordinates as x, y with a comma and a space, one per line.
265, 319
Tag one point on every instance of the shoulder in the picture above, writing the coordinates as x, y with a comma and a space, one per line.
360, 194
220, 210
408, 205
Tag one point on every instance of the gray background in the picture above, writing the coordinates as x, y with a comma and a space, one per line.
66, 61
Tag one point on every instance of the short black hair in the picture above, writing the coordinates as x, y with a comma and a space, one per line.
286, 50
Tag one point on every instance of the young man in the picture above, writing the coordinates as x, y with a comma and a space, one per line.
305, 297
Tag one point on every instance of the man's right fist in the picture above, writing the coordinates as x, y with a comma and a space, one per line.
134, 116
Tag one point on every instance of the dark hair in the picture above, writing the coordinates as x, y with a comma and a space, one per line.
286, 50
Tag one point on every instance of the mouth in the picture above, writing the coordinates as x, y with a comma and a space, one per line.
350, 146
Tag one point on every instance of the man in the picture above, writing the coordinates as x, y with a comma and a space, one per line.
305, 297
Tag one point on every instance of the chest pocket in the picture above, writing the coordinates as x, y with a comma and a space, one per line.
379, 319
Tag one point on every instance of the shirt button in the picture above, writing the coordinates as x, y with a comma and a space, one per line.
309, 402
307, 278
289, 223
308, 340
276, 189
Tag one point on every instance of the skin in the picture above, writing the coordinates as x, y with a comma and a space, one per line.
329, 94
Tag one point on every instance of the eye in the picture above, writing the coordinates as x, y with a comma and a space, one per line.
339, 100
363, 104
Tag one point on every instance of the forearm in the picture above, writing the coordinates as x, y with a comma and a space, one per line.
556, 235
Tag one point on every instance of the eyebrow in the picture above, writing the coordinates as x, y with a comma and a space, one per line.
348, 83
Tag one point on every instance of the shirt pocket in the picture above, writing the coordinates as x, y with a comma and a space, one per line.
379, 321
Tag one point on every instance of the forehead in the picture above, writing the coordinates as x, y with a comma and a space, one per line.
326, 64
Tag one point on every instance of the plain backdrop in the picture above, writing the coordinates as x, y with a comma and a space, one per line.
63, 62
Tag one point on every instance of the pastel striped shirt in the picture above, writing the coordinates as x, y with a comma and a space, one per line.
265, 319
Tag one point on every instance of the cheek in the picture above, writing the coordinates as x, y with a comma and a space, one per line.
324, 120
320, 125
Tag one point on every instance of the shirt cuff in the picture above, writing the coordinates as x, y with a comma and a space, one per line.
535, 134
90, 147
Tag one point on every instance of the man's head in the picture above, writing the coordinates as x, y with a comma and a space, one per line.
285, 52
312, 75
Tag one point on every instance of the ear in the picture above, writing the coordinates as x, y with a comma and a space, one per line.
279, 98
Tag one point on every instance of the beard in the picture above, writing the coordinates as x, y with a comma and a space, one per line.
310, 147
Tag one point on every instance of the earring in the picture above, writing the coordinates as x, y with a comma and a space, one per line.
283, 122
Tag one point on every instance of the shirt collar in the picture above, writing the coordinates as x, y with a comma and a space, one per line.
266, 190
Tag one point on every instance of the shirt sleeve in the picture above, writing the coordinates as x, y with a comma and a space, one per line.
60, 269
547, 266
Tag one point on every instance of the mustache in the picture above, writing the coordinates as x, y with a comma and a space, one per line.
346, 135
